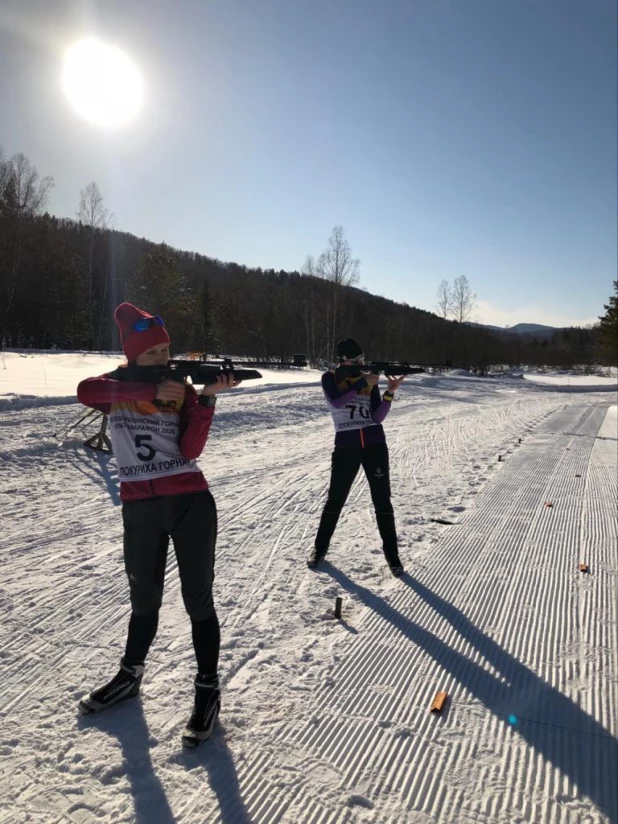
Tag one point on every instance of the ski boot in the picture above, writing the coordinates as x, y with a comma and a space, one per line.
317, 555
394, 563
205, 710
124, 685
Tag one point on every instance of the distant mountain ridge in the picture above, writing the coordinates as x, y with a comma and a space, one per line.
537, 329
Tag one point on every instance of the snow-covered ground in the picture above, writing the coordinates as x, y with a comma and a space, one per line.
324, 720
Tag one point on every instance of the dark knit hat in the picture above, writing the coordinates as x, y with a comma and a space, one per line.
348, 348
137, 340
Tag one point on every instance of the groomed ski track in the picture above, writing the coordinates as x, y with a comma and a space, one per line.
323, 721
531, 662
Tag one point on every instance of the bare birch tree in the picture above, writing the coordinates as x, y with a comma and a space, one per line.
91, 210
23, 195
463, 299
4, 172
337, 266
309, 270
445, 299
29, 192
95, 216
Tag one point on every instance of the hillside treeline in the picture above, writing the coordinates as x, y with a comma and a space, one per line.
60, 280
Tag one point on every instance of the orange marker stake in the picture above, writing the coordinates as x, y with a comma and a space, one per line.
438, 702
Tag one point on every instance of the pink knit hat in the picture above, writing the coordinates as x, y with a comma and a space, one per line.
136, 339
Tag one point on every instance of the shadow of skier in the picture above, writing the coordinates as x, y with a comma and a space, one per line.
216, 758
101, 467
560, 731
128, 724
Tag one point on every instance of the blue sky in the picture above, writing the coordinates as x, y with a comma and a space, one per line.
473, 137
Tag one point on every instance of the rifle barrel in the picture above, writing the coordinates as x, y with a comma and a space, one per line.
387, 367
263, 364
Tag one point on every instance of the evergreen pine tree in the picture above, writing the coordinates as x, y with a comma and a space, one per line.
608, 329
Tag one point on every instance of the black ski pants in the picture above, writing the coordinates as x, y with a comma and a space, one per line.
190, 520
344, 468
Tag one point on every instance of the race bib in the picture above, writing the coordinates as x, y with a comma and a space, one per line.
145, 440
354, 415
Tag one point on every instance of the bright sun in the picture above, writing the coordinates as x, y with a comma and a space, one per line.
102, 83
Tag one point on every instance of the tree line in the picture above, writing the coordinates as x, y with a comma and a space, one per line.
60, 280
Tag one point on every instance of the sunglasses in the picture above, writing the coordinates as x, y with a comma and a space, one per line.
357, 359
143, 324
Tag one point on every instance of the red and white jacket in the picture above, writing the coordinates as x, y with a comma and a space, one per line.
156, 444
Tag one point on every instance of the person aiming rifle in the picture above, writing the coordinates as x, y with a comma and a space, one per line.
158, 429
354, 400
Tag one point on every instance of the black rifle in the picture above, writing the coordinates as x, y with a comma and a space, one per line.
199, 372
393, 368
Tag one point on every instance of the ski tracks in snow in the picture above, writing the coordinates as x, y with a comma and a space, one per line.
325, 721
502, 619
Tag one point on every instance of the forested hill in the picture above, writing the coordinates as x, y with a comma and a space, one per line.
61, 279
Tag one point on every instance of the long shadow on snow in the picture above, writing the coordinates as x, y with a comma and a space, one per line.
582, 751
216, 757
128, 724
100, 465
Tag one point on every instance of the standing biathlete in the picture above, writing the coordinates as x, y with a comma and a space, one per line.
157, 431
358, 411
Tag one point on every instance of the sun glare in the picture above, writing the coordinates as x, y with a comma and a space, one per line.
102, 83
